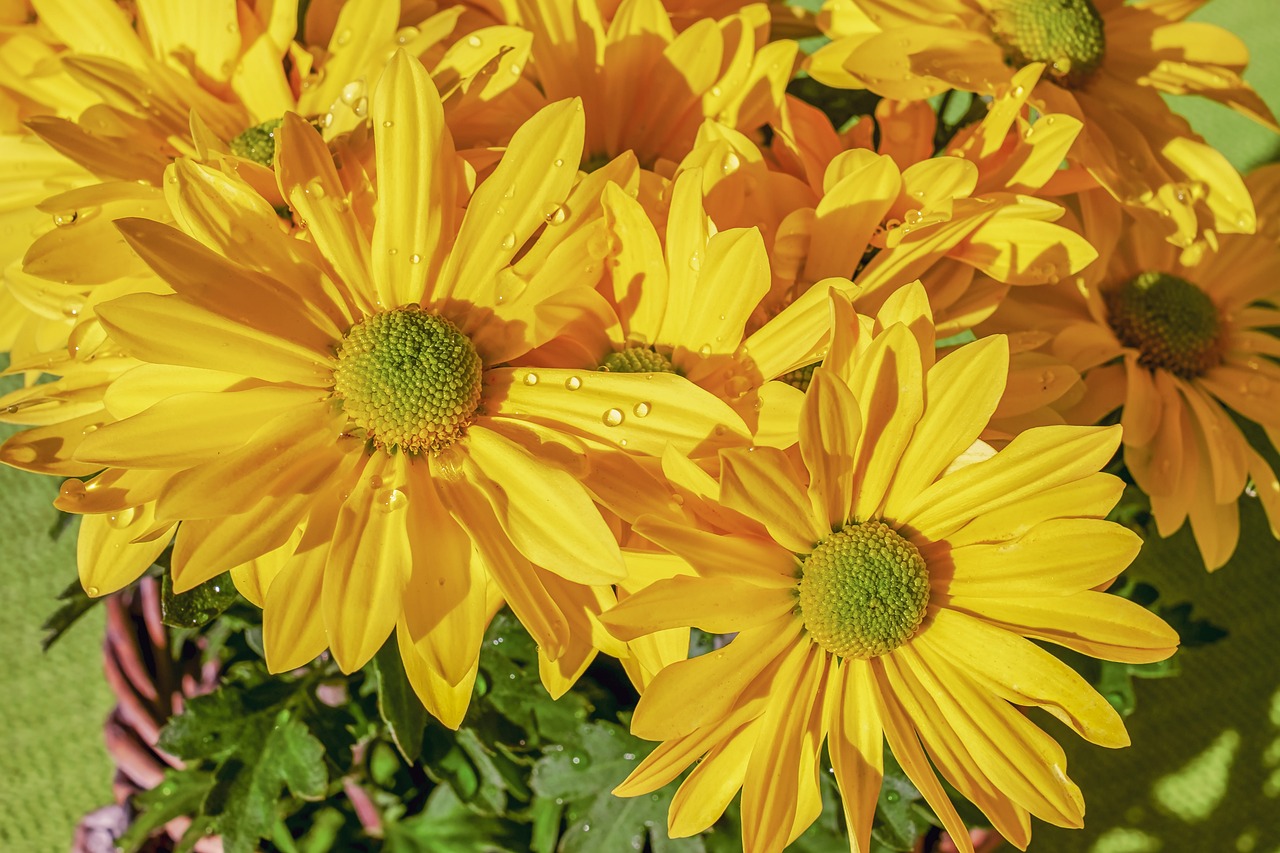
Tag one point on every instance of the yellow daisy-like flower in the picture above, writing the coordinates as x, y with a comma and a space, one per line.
332, 420
1179, 340
1108, 62
885, 591
646, 88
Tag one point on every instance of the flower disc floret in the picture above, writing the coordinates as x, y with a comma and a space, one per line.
258, 143
409, 378
637, 360
863, 591
1171, 322
1067, 35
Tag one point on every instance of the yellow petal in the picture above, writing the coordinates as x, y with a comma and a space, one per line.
534, 175
762, 483
543, 510
1037, 460
855, 738
106, 553
889, 387
446, 701
293, 632
962, 392
1093, 623
722, 606
1021, 672
704, 690
748, 558
702, 798
830, 426
171, 330
645, 410
368, 566
415, 212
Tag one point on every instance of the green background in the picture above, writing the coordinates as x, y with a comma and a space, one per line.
1202, 776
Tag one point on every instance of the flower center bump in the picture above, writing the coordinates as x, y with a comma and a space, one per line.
1170, 321
863, 591
637, 360
1066, 35
258, 143
409, 378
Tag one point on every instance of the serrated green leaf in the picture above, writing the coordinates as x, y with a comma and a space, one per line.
198, 606
398, 705
246, 796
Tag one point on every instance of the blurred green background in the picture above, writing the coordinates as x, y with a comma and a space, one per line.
1202, 776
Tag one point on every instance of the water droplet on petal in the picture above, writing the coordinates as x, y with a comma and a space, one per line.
123, 518
555, 214
92, 591
531, 379
361, 109
352, 92
62, 220
388, 123
391, 500
314, 188
642, 409
730, 163
509, 241
474, 41
415, 258
704, 351
573, 383
613, 417
343, 38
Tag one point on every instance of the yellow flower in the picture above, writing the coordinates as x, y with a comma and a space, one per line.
1179, 340
884, 591
646, 88
1108, 63
332, 420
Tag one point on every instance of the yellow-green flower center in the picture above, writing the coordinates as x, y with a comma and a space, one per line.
1171, 322
863, 591
258, 143
800, 377
409, 378
637, 360
1066, 35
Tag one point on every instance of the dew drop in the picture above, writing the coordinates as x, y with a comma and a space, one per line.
509, 241
1019, 91
716, 91
314, 188
388, 123
474, 41
558, 163
92, 591
62, 220
88, 430
555, 214
123, 518
343, 38
642, 409
576, 760
415, 258
892, 796
573, 383
531, 379
704, 351
352, 92
695, 261
730, 163
73, 491
406, 35
391, 500
613, 417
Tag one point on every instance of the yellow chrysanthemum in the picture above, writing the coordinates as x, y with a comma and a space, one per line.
883, 592
1179, 340
114, 98
646, 88
1107, 63
332, 420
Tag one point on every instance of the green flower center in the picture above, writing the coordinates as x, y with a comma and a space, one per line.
409, 378
800, 377
258, 143
863, 591
637, 360
1066, 35
1170, 321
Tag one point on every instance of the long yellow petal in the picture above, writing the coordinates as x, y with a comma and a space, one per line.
446, 701
855, 738
1021, 672
702, 798
1093, 623
293, 632
369, 564
638, 412
889, 387
761, 482
722, 606
830, 431
107, 554
725, 556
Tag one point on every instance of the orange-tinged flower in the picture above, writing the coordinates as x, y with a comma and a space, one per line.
1176, 341
646, 88
351, 445
884, 589
1107, 64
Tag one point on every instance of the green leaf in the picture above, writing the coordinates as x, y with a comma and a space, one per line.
245, 797
446, 824
77, 603
398, 705
198, 606
179, 794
